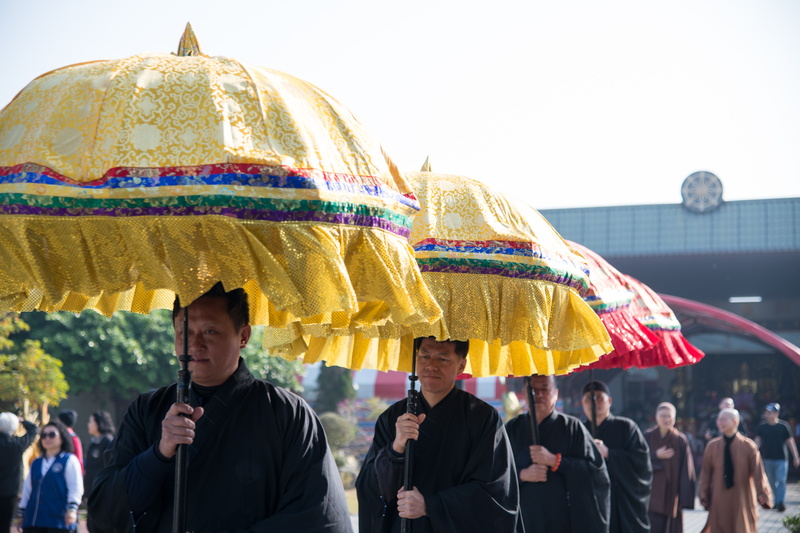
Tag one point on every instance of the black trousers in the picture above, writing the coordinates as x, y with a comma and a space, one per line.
8, 508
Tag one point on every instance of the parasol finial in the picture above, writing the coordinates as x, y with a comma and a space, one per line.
189, 45
426, 166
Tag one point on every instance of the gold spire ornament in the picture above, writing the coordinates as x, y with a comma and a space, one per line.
426, 166
188, 46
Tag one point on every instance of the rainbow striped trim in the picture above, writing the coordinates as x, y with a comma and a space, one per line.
541, 267
610, 301
660, 323
217, 195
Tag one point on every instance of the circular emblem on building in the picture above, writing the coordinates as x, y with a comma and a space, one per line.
701, 192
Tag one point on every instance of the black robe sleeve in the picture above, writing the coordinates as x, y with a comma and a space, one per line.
574, 498
631, 474
463, 467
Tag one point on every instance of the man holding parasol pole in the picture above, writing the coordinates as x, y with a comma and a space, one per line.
564, 484
258, 458
464, 470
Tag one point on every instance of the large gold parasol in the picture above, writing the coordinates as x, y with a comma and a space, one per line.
504, 278
126, 182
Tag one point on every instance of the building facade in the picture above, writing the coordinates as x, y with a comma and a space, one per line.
732, 268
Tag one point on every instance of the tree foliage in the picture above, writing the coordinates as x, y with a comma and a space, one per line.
28, 376
124, 355
334, 385
131, 353
339, 431
276, 370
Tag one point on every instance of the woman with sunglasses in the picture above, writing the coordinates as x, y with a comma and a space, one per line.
54, 485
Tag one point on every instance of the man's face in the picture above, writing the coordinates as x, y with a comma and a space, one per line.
602, 405
545, 395
772, 417
438, 365
725, 403
214, 342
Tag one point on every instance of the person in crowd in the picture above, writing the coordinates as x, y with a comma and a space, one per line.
564, 484
11, 449
69, 417
712, 432
54, 486
258, 456
673, 486
775, 442
101, 430
463, 466
627, 456
732, 482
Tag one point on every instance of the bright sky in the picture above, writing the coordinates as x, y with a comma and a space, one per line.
560, 103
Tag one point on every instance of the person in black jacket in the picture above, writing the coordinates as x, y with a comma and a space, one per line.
101, 429
11, 450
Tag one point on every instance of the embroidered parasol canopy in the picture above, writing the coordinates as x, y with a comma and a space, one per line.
126, 182
611, 298
504, 278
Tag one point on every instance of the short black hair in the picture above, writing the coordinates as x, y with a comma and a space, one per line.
68, 417
598, 386
238, 307
66, 438
105, 424
460, 347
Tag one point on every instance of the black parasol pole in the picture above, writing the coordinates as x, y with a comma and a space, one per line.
532, 413
181, 457
594, 403
411, 407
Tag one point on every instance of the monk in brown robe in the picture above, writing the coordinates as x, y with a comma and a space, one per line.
732, 481
673, 473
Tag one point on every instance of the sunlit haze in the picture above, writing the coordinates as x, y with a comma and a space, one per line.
562, 104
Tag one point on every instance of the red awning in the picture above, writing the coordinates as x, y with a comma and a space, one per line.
718, 319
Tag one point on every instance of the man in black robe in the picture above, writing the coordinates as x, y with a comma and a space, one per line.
628, 459
258, 457
564, 482
463, 469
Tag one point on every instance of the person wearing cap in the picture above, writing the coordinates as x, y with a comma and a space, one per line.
732, 481
775, 442
627, 456
564, 485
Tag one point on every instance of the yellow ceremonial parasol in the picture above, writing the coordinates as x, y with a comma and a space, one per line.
126, 182
504, 278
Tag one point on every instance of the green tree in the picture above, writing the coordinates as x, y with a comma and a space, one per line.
334, 385
131, 353
276, 370
30, 379
116, 357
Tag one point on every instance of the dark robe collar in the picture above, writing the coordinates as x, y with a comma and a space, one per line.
548, 421
217, 407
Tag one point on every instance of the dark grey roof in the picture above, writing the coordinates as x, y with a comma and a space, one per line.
646, 230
